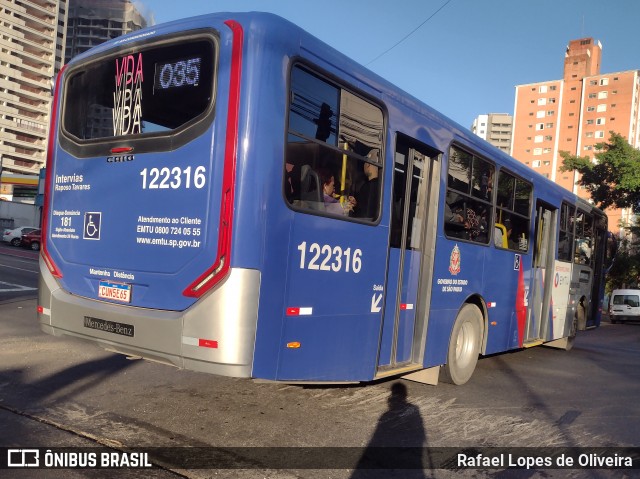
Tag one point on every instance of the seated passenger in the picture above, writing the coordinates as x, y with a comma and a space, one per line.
331, 204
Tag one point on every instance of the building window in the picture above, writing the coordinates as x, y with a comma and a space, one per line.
602, 94
604, 81
601, 121
537, 151
592, 95
589, 122
591, 108
548, 138
536, 164
551, 112
552, 100
542, 89
593, 82
549, 125
540, 126
589, 134
542, 101
600, 134
538, 139
552, 88
540, 114
602, 107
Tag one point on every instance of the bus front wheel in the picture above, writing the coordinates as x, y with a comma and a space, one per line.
464, 345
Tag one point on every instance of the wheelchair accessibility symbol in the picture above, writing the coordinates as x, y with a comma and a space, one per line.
92, 225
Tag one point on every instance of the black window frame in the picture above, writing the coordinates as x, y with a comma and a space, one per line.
566, 232
143, 142
514, 210
464, 232
327, 149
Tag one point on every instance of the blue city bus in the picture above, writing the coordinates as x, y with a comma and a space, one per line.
228, 194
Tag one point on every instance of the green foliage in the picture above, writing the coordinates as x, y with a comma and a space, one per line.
614, 178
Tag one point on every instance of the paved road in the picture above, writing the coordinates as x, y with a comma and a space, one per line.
18, 272
60, 391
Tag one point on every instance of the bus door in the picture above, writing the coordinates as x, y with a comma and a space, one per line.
411, 248
542, 279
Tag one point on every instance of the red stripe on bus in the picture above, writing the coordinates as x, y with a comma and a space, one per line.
220, 267
44, 250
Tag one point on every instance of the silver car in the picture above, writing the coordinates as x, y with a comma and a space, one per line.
14, 235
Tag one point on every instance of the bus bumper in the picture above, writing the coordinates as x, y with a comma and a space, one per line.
216, 335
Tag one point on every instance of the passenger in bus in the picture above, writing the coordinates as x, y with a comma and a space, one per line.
332, 204
450, 215
368, 195
512, 244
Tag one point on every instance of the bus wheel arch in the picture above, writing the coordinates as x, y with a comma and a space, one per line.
581, 314
465, 344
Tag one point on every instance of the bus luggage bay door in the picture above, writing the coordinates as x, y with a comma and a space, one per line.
412, 237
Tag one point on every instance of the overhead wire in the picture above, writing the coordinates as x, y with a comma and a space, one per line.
409, 34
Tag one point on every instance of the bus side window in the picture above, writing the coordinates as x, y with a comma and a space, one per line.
513, 212
565, 243
468, 211
334, 150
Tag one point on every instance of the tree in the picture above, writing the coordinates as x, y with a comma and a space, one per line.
612, 180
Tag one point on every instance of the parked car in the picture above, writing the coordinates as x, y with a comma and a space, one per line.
31, 240
624, 305
14, 236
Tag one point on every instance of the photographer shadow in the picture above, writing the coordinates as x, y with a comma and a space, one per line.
397, 446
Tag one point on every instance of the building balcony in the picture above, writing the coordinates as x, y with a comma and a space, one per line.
36, 36
29, 166
25, 147
36, 7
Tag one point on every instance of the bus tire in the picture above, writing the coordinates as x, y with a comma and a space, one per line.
464, 345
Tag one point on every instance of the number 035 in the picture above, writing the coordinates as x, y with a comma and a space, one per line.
329, 258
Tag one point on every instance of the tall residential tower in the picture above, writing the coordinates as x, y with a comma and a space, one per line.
573, 114
31, 42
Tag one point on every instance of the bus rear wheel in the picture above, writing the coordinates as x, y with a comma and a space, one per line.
464, 345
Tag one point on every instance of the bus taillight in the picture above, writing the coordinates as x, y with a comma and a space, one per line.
55, 271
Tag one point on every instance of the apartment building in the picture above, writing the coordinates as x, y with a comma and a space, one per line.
92, 22
31, 42
495, 128
575, 113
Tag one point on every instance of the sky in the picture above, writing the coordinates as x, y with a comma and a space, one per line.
465, 57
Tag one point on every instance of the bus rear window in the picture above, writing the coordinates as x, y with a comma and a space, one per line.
148, 90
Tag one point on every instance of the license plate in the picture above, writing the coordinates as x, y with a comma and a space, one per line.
115, 291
